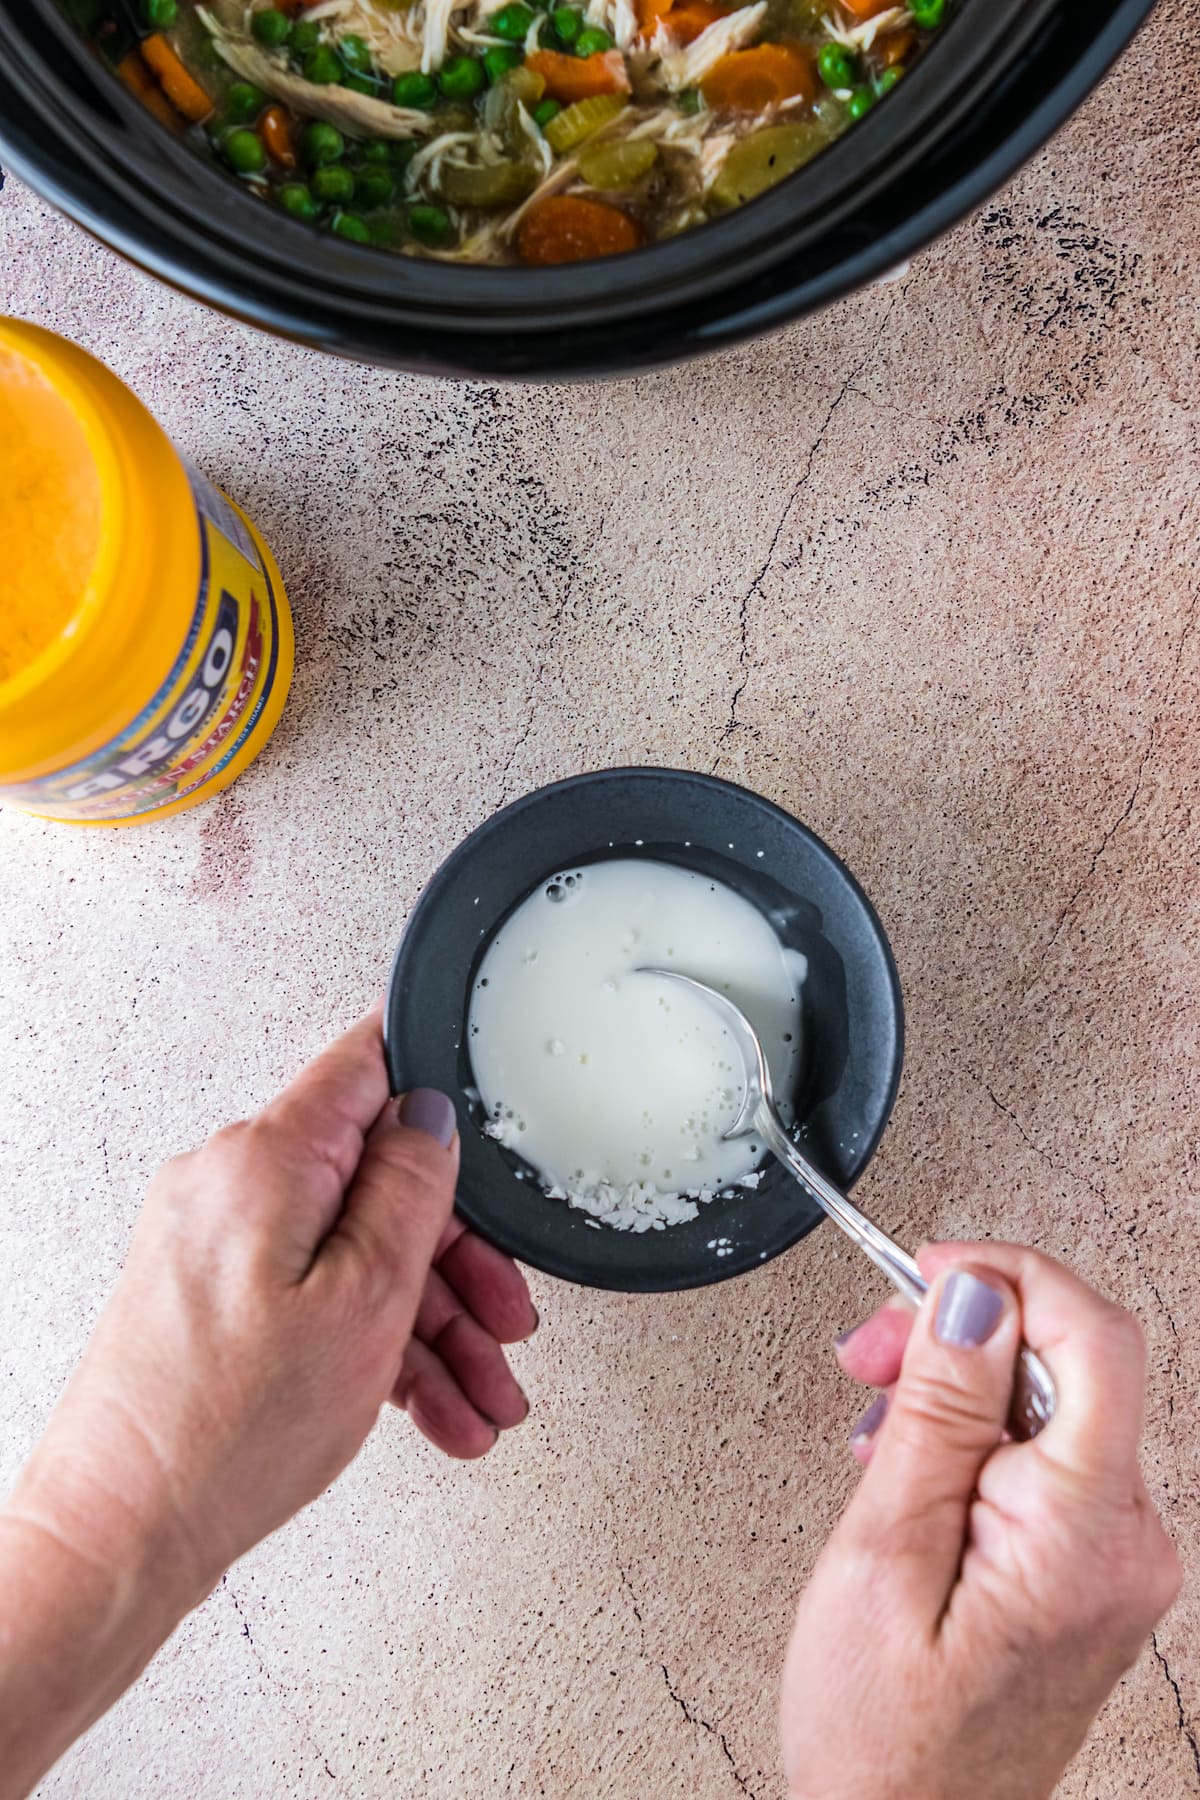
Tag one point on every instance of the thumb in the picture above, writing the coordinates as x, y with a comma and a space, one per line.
399, 1201
947, 1415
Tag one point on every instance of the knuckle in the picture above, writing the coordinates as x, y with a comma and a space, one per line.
936, 1401
230, 1142
1120, 1335
1141, 1576
1166, 1575
201, 1183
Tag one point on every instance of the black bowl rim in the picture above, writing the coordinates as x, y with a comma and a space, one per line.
988, 147
447, 873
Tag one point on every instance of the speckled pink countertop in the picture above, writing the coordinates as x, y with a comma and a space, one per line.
924, 570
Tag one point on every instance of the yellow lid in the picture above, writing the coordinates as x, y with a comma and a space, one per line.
99, 553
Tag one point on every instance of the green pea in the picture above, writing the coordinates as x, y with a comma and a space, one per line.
320, 143
374, 188
836, 66
461, 77
306, 35
511, 22
297, 200
333, 183
429, 224
375, 150
860, 102
415, 90
403, 151
928, 14
322, 66
244, 101
499, 59
689, 102
545, 110
160, 15
271, 27
361, 84
592, 42
349, 225
355, 52
244, 151
890, 77
567, 23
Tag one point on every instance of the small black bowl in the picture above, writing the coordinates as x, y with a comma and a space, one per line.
852, 1012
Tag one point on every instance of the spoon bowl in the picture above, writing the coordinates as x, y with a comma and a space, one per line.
1033, 1387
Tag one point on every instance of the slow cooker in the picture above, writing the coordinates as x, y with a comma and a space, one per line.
997, 81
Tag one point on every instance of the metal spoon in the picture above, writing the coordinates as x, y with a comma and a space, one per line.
1033, 1388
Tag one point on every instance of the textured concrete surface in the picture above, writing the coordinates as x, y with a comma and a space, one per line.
922, 569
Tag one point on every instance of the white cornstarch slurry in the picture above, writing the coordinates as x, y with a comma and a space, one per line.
614, 1085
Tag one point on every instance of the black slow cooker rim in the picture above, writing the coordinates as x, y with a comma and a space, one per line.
913, 175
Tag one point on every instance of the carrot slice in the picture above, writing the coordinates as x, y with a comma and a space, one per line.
866, 9
895, 47
178, 83
749, 80
140, 81
686, 21
275, 129
567, 228
571, 78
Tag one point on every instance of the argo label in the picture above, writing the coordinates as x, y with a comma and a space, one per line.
209, 704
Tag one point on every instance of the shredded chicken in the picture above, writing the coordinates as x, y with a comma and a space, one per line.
712, 154
541, 148
435, 30
360, 114
429, 160
667, 125
394, 37
617, 17
861, 37
467, 34
625, 27
686, 68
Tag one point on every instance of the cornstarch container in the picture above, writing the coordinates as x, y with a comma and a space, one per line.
145, 636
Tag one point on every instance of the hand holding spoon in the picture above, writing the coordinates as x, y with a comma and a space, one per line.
1033, 1389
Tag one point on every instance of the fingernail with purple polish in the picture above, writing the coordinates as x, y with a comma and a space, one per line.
424, 1109
871, 1420
839, 1343
968, 1311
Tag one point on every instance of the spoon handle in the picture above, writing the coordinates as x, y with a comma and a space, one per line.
1033, 1387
